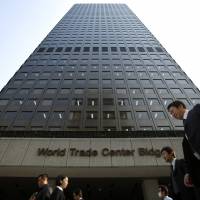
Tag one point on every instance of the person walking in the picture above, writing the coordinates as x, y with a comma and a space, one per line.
191, 141
61, 184
178, 171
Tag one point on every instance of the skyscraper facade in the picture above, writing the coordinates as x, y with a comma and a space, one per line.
100, 71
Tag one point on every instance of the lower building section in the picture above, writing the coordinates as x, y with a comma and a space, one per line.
93, 188
105, 168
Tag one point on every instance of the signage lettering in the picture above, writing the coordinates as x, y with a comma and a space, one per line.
74, 152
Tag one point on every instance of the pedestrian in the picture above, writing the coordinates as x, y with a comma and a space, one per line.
191, 141
61, 184
44, 191
163, 193
77, 194
178, 171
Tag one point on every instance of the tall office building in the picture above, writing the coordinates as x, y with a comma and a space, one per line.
91, 101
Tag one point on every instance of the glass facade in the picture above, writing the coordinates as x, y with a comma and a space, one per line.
99, 69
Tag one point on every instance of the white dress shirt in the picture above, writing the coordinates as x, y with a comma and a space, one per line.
167, 198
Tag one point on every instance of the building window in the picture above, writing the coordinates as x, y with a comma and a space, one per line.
190, 91
114, 49
149, 91
121, 91
65, 91
57, 116
142, 115
91, 115
86, 49
51, 91
125, 115
9, 115
109, 115
77, 102
135, 91
195, 101
93, 81
106, 81
108, 101
123, 102
132, 49
138, 102
159, 115
40, 116
3, 102
78, 91
128, 128
162, 91
176, 91
68, 49
146, 128
164, 128
74, 115
24, 116
153, 102
92, 102
107, 91
92, 90
109, 129
119, 81
47, 102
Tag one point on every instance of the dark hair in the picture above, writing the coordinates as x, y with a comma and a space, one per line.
59, 179
176, 104
164, 189
43, 176
168, 149
78, 191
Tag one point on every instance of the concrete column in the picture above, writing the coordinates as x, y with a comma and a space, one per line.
150, 189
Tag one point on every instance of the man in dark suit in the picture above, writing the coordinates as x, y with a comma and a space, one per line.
61, 184
77, 194
191, 141
180, 191
44, 192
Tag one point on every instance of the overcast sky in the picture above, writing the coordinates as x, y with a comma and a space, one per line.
25, 23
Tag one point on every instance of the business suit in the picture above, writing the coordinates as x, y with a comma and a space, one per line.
43, 193
191, 143
57, 194
180, 191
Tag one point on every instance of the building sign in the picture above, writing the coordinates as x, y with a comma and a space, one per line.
74, 152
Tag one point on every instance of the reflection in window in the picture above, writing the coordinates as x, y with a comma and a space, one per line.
77, 102
92, 102
135, 91
74, 115
109, 115
159, 115
47, 102
91, 115
123, 102
149, 91
125, 115
195, 101
153, 102
138, 102
78, 91
176, 91
121, 91
167, 101
109, 128
128, 128
142, 115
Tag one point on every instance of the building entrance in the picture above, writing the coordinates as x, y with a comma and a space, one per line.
93, 188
